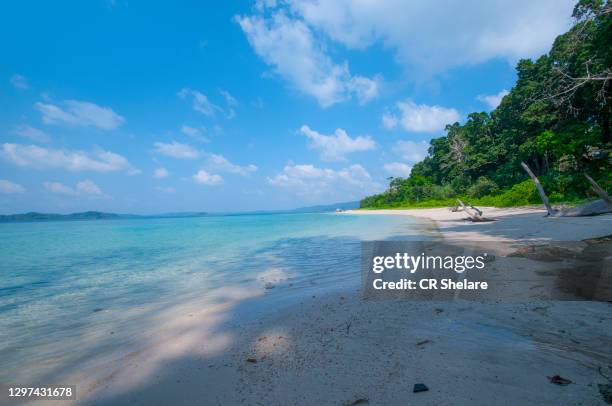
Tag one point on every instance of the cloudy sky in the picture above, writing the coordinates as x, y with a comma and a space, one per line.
142, 107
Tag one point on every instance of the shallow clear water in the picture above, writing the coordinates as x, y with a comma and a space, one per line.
62, 284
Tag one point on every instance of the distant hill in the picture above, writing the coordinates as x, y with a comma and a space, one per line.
87, 215
97, 215
34, 216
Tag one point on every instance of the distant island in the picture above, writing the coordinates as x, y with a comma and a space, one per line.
97, 215
87, 215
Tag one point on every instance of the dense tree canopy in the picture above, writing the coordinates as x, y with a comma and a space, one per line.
556, 119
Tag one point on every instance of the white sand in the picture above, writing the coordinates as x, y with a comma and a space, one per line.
339, 349
512, 224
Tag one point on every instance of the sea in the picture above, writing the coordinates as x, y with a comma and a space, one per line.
72, 289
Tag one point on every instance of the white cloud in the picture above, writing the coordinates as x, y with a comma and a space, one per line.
87, 187
200, 102
32, 156
389, 121
80, 114
309, 181
9, 187
221, 164
19, 81
176, 150
168, 189
229, 99
336, 147
398, 169
261, 5
32, 133
364, 88
190, 131
204, 178
290, 46
420, 117
194, 133
82, 188
411, 151
493, 100
160, 173
429, 38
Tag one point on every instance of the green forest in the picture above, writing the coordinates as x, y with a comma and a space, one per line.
556, 119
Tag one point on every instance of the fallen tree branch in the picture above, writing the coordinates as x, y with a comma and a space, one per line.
475, 208
543, 196
600, 192
455, 208
474, 212
594, 208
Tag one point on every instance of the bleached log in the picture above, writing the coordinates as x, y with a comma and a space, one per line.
600, 192
476, 208
543, 196
454, 208
593, 208
474, 213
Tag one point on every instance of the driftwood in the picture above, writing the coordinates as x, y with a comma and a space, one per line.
475, 209
474, 212
454, 207
543, 196
594, 208
600, 192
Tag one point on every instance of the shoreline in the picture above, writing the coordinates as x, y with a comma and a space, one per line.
336, 348
511, 224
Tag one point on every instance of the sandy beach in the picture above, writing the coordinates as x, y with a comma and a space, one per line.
339, 349
512, 224
242, 203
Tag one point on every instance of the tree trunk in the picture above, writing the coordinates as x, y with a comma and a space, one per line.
605, 123
543, 196
593, 208
600, 192
588, 209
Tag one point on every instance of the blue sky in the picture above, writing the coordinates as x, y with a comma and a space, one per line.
148, 107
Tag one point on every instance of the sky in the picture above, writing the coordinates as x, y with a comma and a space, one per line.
153, 107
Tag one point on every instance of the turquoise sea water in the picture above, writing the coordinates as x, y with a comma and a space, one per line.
64, 284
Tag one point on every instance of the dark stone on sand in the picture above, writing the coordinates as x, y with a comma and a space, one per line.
420, 387
606, 392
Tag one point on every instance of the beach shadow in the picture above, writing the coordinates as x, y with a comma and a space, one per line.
205, 323
340, 350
